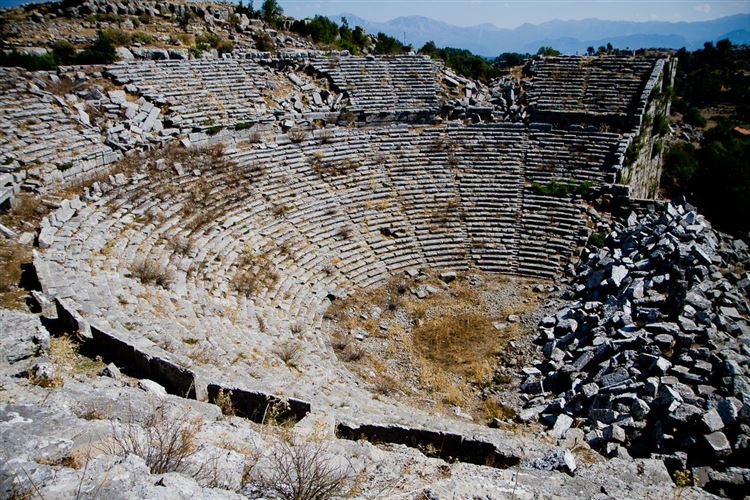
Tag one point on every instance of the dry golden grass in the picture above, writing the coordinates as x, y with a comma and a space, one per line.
296, 135
289, 352
493, 409
150, 272
224, 401
443, 348
12, 256
64, 352
27, 211
460, 342
254, 271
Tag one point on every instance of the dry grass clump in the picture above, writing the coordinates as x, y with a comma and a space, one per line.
26, 211
255, 137
165, 442
13, 257
352, 352
289, 352
306, 470
224, 401
65, 359
296, 135
151, 272
460, 342
297, 328
325, 136
385, 385
64, 353
345, 232
493, 409
254, 270
279, 209
346, 349
180, 244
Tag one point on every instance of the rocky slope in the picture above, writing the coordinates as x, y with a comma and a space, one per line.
650, 356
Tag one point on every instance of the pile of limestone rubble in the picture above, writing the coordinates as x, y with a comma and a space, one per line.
651, 354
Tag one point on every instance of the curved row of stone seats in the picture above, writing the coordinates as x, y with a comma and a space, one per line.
42, 131
491, 186
550, 229
312, 221
606, 85
578, 156
199, 92
405, 83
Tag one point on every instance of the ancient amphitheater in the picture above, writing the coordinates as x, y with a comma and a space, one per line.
217, 210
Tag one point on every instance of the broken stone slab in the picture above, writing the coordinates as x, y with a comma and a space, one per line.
152, 388
111, 371
8, 232
295, 79
614, 432
559, 459
23, 337
562, 424
718, 444
448, 276
712, 421
618, 275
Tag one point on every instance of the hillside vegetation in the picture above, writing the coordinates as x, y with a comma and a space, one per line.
712, 93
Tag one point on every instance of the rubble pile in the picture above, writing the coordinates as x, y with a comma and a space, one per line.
651, 355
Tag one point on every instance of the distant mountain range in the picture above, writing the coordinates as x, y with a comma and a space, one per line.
566, 36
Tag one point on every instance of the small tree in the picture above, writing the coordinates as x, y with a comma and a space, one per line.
271, 10
547, 51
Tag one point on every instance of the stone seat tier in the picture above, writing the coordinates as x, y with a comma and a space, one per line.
309, 221
40, 129
603, 85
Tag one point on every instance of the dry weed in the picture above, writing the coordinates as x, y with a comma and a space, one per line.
151, 272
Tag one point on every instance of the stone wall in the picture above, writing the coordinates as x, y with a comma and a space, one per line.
641, 148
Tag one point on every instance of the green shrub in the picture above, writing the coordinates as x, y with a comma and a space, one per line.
463, 62
597, 239
694, 117
661, 124
140, 37
547, 51
31, 62
101, 51
264, 42
680, 164
115, 37
386, 45
656, 149
560, 189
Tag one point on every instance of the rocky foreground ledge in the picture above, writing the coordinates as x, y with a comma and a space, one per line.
650, 354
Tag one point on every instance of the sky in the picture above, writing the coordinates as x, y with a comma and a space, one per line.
513, 13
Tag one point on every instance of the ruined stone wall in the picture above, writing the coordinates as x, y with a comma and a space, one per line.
641, 149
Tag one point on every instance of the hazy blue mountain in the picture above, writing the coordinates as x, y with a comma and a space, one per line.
566, 36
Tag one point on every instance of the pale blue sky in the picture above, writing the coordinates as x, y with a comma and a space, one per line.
512, 13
